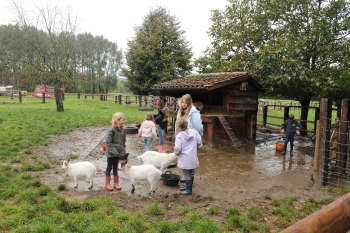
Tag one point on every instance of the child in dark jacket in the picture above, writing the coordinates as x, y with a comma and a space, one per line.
162, 122
289, 128
115, 141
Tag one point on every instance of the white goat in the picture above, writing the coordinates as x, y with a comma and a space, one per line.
141, 172
80, 169
159, 160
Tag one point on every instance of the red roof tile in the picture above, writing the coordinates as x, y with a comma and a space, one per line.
200, 81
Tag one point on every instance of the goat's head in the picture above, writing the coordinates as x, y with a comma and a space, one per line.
122, 165
65, 164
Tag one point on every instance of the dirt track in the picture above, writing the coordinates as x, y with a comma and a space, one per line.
224, 177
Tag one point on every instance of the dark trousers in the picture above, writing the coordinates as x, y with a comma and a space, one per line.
112, 163
290, 139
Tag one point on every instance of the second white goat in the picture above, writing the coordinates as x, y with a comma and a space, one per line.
159, 160
80, 169
141, 172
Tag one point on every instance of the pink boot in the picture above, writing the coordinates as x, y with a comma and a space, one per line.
164, 149
160, 149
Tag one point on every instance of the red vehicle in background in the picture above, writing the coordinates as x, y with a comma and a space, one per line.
41, 89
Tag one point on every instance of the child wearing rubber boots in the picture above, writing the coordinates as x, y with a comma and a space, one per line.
289, 128
187, 141
115, 141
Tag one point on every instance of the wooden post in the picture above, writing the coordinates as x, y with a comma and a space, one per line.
120, 99
85, 96
115, 99
333, 218
325, 125
343, 141
101, 97
78, 95
265, 115
43, 97
317, 143
139, 98
286, 113
317, 117
210, 133
20, 97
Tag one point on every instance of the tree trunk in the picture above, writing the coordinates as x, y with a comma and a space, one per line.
58, 98
304, 113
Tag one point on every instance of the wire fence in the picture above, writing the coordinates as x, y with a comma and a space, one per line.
332, 161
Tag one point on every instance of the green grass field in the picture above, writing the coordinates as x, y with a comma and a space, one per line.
275, 113
27, 205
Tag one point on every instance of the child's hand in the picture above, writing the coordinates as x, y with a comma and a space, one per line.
298, 132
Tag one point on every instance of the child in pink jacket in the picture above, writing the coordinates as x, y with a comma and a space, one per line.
148, 130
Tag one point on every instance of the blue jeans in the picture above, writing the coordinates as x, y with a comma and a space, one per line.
148, 143
289, 138
160, 135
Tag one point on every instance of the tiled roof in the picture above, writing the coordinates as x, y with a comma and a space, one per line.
200, 81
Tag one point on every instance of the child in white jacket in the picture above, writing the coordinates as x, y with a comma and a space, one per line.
148, 130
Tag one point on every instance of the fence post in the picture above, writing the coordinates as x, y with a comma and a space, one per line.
325, 125
92, 96
317, 117
115, 99
85, 96
78, 95
265, 114
286, 113
139, 97
343, 134
20, 97
120, 99
43, 97
101, 97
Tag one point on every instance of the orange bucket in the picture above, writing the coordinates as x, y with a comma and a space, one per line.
104, 146
279, 146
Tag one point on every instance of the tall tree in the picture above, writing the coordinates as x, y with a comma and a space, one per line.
54, 47
295, 48
158, 52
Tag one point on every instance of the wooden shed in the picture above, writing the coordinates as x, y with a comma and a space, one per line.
230, 102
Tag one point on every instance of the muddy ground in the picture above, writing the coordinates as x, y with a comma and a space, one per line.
224, 178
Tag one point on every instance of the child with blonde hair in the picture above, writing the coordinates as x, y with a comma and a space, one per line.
115, 148
148, 130
187, 141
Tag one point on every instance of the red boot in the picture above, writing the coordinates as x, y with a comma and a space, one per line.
108, 184
116, 184
164, 149
160, 149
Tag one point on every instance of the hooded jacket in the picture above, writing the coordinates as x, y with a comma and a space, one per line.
194, 120
186, 144
147, 129
115, 141
290, 127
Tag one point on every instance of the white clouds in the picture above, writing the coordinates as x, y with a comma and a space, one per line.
115, 20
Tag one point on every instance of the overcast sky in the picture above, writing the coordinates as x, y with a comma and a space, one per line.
115, 19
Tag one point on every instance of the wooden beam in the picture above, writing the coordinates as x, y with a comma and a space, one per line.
325, 123
317, 143
343, 134
333, 218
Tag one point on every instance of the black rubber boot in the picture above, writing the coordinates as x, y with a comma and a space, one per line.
188, 190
